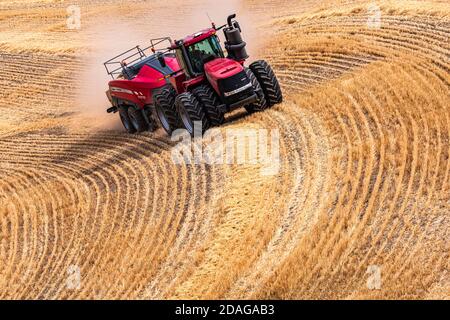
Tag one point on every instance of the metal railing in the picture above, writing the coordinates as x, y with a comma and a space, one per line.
116, 65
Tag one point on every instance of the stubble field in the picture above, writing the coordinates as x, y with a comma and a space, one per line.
360, 207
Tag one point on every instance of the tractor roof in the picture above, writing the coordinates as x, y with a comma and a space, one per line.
198, 36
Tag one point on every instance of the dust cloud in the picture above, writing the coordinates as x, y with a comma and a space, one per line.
104, 41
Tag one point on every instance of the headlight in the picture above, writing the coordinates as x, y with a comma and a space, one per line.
230, 93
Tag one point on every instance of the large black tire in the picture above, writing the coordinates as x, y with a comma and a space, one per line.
210, 102
190, 110
164, 101
268, 81
261, 104
137, 119
124, 117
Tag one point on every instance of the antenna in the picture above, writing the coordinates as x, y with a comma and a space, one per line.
212, 23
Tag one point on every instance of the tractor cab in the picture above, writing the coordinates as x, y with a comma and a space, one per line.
202, 59
197, 49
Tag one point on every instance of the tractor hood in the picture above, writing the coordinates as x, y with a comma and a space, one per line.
229, 80
220, 69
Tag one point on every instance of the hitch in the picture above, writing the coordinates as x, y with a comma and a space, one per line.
112, 110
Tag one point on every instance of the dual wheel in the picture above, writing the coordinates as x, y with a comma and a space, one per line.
134, 119
196, 111
265, 84
199, 109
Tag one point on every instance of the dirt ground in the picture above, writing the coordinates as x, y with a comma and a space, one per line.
360, 206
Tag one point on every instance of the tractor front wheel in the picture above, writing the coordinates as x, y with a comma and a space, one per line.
191, 111
261, 104
125, 118
137, 119
268, 81
166, 110
210, 102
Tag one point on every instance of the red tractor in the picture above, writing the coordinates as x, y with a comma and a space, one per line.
191, 80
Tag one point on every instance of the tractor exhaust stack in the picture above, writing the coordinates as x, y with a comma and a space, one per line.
234, 44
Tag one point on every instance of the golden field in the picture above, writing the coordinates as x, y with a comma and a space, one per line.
364, 147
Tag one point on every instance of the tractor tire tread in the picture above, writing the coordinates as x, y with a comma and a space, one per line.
262, 103
193, 108
165, 100
210, 102
268, 80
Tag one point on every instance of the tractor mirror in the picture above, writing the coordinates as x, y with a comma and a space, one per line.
162, 61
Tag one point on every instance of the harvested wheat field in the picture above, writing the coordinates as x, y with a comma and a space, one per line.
360, 206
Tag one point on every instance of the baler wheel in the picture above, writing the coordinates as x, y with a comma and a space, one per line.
137, 119
125, 118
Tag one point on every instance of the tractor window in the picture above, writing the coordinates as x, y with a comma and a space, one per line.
180, 59
203, 51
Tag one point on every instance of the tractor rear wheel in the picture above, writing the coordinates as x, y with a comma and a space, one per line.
137, 119
210, 102
190, 111
125, 118
261, 104
165, 109
269, 82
